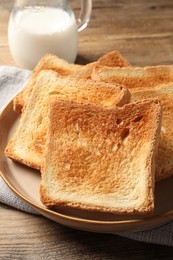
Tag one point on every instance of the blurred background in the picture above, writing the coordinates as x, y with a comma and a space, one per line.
141, 30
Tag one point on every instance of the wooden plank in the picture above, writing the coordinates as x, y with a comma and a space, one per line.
26, 236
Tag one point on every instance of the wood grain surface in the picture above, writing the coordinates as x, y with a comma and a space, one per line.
26, 236
143, 32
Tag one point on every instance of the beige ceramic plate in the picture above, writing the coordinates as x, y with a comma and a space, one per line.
25, 183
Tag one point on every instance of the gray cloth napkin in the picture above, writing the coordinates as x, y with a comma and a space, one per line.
12, 80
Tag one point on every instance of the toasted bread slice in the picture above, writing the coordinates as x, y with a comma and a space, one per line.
52, 62
149, 82
134, 77
111, 59
164, 164
48, 62
85, 72
27, 144
101, 159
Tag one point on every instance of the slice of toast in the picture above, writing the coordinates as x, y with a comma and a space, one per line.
101, 159
144, 83
28, 142
85, 72
134, 77
52, 62
48, 62
164, 165
111, 59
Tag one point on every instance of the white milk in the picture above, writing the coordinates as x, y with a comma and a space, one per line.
35, 31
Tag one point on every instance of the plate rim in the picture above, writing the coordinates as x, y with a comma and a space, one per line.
166, 215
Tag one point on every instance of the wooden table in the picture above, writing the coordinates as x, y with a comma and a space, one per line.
143, 32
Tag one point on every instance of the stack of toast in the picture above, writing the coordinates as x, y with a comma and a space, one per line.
100, 134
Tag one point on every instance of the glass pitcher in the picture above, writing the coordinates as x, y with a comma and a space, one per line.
39, 27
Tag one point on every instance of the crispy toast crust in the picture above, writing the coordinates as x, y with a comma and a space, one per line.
134, 78
164, 159
48, 62
52, 62
113, 59
101, 159
149, 82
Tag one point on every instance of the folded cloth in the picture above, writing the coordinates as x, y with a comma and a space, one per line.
12, 80
9, 198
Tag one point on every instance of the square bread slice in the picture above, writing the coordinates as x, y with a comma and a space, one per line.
48, 62
101, 159
164, 162
53, 62
143, 83
110, 59
113, 59
134, 77
28, 142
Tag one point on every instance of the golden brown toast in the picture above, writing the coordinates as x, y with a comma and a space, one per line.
101, 159
52, 62
164, 163
28, 142
149, 82
134, 77
111, 59
48, 62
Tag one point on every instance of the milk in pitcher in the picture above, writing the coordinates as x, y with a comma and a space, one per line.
35, 31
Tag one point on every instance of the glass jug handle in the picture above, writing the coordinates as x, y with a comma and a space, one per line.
85, 14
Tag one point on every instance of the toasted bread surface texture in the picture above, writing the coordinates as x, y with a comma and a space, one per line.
134, 77
48, 62
28, 142
52, 62
164, 162
101, 159
111, 59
